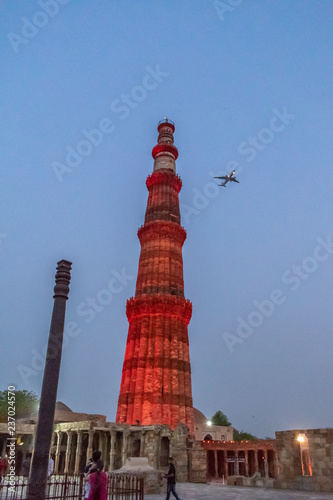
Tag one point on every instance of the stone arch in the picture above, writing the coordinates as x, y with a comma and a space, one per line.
165, 451
136, 446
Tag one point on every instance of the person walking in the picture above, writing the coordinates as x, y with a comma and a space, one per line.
171, 478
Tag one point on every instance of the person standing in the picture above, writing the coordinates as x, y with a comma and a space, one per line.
50, 467
97, 478
86, 472
171, 478
26, 465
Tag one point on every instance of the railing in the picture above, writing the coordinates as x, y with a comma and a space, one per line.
125, 487
16, 489
120, 487
57, 487
166, 120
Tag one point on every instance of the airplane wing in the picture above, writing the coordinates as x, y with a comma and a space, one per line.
234, 180
224, 177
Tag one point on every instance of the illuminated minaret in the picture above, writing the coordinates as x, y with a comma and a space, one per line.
156, 379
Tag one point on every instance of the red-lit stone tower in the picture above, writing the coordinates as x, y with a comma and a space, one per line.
156, 379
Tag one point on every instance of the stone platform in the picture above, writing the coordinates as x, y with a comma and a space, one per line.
139, 466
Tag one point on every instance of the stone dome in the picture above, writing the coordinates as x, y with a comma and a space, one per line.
198, 417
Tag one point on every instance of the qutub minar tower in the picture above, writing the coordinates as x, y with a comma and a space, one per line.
156, 378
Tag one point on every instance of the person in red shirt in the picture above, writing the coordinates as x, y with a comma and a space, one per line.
97, 478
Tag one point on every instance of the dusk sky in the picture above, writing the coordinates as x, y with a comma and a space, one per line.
249, 87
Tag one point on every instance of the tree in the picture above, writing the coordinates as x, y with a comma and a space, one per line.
25, 403
220, 418
243, 436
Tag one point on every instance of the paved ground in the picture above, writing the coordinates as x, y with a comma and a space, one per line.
216, 491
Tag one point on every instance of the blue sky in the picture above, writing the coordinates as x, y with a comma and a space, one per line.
249, 86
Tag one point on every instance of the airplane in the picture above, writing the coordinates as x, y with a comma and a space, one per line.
227, 178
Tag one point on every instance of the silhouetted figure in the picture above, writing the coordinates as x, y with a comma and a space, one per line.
171, 478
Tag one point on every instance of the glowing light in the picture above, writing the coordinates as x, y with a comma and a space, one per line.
209, 422
300, 438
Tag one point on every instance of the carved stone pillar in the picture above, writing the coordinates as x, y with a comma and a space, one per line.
236, 466
68, 451
266, 463
78, 453
274, 467
246, 454
57, 455
216, 464
157, 449
90, 443
142, 444
125, 447
105, 447
112, 449
256, 462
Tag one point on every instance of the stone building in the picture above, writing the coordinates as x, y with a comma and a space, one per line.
305, 459
76, 435
205, 431
241, 458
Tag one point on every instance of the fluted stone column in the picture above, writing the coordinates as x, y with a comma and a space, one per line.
236, 465
57, 455
256, 462
156, 387
246, 454
216, 464
78, 453
112, 449
68, 450
142, 443
103, 445
266, 463
275, 466
157, 449
124, 448
40, 460
90, 443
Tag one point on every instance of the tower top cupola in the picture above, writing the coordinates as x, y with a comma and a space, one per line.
165, 153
